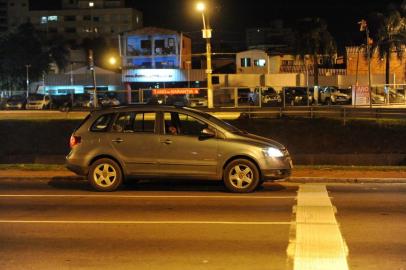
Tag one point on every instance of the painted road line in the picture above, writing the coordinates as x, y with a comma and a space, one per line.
318, 242
163, 222
250, 197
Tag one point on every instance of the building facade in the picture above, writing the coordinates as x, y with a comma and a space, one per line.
13, 13
3, 16
357, 64
80, 19
261, 62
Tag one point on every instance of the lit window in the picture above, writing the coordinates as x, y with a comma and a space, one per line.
44, 20
245, 62
52, 18
259, 62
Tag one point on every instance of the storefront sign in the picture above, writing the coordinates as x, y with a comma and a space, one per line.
152, 75
360, 95
175, 91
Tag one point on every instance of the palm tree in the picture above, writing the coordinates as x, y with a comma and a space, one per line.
312, 38
390, 37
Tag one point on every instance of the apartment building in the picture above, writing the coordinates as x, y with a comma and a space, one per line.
79, 19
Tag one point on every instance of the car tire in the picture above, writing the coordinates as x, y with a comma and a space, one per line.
105, 175
241, 176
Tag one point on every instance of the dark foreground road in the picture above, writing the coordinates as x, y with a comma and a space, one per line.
61, 224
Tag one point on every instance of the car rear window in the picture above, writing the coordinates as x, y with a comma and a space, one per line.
102, 123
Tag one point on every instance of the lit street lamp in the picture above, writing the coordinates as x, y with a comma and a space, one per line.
28, 78
206, 31
112, 61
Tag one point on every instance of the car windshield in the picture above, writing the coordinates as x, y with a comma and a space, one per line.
215, 120
36, 97
16, 98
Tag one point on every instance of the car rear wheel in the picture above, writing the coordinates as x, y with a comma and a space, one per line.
241, 176
105, 175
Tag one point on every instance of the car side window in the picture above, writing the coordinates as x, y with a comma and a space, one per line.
183, 124
144, 122
124, 122
102, 123
135, 122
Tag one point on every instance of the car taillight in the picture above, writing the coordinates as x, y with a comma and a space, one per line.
74, 140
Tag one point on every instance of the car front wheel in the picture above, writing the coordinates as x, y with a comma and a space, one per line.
105, 175
241, 176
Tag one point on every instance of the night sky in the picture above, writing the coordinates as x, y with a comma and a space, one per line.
231, 17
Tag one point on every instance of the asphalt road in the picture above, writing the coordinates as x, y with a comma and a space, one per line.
62, 224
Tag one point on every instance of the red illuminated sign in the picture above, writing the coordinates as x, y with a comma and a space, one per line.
176, 91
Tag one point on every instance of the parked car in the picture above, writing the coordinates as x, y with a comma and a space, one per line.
38, 102
155, 141
198, 102
15, 102
247, 96
377, 99
297, 95
270, 96
108, 100
396, 97
331, 95
82, 101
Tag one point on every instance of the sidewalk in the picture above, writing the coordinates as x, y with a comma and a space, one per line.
300, 175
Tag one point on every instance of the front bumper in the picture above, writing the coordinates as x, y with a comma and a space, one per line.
276, 168
275, 174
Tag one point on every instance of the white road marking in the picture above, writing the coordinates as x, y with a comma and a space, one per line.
318, 243
167, 222
142, 196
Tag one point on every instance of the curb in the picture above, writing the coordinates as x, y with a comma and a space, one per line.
345, 180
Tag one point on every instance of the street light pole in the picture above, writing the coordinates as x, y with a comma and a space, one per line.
92, 68
207, 35
28, 78
364, 27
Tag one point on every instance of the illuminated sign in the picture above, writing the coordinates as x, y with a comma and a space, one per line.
360, 95
175, 91
153, 75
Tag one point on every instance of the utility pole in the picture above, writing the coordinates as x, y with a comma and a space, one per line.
364, 27
206, 32
27, 67
92, 68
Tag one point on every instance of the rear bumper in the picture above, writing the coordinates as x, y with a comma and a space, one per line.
76, 169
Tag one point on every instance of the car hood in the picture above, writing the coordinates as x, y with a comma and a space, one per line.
259, 140
341, 95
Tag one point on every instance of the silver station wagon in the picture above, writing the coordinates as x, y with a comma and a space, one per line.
153, 141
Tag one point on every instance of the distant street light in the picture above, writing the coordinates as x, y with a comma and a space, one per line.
112, 61
206, 31
27, 67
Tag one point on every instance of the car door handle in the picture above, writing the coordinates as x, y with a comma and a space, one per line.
168, 141
118, 140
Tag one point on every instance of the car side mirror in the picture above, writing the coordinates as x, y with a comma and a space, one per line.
207, 133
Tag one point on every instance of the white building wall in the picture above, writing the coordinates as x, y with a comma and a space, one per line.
253, 55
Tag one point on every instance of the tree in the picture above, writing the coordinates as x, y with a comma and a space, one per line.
101, 50
312, 38
27, 46
390, 36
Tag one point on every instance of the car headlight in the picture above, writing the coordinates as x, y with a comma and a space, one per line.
273, 152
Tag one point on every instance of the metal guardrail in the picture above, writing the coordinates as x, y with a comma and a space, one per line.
343, 113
